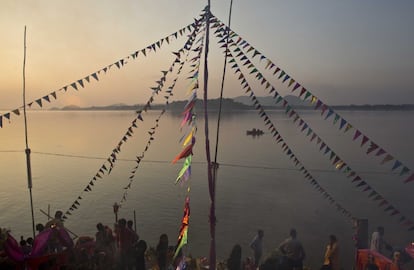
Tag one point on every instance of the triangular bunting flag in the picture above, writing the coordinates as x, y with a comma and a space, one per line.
409, 179
364, 140
380, 152
386, 159
80, 82
357, 134
74, 86
372, 147
39, 101
396, 165
405, 170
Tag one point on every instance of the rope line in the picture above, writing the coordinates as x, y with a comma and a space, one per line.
194, 162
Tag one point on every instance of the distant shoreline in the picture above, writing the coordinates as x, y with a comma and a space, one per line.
228, 105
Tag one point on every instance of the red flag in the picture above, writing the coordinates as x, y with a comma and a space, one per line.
185, 153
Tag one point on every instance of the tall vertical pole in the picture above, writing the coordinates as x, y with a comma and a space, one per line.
211, 185
28, 164
215, 164
135, 221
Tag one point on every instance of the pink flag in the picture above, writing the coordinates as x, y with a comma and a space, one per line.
410, 178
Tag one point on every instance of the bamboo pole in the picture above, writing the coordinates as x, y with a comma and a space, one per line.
27, 151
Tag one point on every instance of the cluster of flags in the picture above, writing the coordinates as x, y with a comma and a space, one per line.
241, 54
326, 111
337, 162
110, 162
188, 127
278, 138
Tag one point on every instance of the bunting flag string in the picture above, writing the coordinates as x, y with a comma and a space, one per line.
188, 141
139, 158
338, 163
306, 95
81, 83
183, 233
111, 160
279, 139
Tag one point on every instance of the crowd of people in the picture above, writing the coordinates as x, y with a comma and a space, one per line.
291, 254
122, 248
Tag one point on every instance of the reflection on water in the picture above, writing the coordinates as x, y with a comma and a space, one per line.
258, 185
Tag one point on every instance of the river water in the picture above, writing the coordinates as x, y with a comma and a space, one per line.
258, 186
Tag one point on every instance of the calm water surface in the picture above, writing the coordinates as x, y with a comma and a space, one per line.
258, 186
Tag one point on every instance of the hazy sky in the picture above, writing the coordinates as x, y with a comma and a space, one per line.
344, 52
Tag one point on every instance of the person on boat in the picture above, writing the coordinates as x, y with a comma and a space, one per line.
234, 261
293, 252
257, 246
162, 252
331, 258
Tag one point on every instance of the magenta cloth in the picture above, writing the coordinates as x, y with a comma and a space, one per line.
15, 253
40, 243
13, 249
410, 250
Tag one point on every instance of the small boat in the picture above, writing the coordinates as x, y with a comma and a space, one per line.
255, 132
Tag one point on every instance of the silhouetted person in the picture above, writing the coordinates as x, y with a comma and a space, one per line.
126, 240
257, 246
377, 240
293, 252
140, 249
39, 227
162, 252
331, 258
57, 221
234, 261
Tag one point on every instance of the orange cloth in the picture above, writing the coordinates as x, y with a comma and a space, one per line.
383, 262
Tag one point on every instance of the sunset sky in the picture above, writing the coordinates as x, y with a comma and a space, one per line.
345, 52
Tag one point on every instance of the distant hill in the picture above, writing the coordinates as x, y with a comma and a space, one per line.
238, 104
270, 101
213, 104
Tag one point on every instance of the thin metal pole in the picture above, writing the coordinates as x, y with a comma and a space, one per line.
215, 164
135, 221
212, 216
29, 168
222, 88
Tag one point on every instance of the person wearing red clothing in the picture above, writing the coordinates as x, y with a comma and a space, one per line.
126, 239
